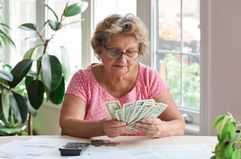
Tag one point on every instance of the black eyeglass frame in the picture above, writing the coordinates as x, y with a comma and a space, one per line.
116, 53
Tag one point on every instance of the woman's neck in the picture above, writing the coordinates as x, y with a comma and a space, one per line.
116, 85
115, 79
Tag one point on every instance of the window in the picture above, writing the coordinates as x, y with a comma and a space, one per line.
178, 50
111, 7
20, 8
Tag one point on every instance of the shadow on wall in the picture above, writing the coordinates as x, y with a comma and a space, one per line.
47, 120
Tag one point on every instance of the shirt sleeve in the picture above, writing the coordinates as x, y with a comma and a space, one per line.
156, 84
77, 86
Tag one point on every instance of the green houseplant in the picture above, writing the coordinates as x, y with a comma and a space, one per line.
229, 137
8, 117
42, 72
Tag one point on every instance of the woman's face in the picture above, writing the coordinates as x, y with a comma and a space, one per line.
119, 56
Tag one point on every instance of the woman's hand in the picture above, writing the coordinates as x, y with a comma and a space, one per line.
151, 127
113, 128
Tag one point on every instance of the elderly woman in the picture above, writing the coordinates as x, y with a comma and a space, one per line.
118, 42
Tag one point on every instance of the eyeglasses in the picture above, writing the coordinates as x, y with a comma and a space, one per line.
115, 53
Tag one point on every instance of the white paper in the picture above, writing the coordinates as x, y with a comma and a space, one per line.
42, 148
34, 148
185, 151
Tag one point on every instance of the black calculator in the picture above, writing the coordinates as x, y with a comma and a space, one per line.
73, 148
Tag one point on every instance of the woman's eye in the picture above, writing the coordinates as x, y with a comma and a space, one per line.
116, 51
130, 51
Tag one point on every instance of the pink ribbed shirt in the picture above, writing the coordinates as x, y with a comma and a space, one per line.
83, 84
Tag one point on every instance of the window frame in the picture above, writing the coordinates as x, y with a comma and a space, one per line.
194, 116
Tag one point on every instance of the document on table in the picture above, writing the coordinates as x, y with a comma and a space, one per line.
42, 148
185, 151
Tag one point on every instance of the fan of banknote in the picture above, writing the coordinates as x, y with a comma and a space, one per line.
134, 111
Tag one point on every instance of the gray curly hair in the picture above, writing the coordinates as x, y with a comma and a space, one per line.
128, 24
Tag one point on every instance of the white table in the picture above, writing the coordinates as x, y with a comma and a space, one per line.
131, 142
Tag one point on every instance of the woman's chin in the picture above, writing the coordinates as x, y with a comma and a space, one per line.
120, 70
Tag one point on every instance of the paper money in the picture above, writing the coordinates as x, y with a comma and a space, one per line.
112, 106
134, 111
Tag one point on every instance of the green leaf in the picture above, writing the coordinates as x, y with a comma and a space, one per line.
28, 27
6, 75
5, 104
236, 154
231, 128
36, 93
55, 25
213, 157
31, 109
11, 131
22, 105
14, 108
51, 71
56, 96
217, 120
46, 5
228, 150
2, 118
75, 8
7, 66
218, 149
220, 128
83, 6
29, 53
28, 81
65, 63
12, 122
20, 71
39, 63
2, 25
6, 39
224, 132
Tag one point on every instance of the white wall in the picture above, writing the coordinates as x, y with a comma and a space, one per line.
224, 81
47, 120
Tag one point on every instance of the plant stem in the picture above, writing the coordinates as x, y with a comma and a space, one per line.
30, 124
8, 88
46, 45
62, 16
40, 36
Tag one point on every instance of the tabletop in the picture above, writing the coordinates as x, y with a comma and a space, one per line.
128, 145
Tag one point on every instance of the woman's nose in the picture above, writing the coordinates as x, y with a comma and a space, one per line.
122, 56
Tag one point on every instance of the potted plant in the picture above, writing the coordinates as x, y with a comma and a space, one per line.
229, 137
44, 74
10, 97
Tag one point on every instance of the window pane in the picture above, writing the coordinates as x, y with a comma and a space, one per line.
169, 25
169, 67
191, 82
21, 11
104, 8
178, 53
191, 31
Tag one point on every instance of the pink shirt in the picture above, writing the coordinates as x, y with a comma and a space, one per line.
83, 84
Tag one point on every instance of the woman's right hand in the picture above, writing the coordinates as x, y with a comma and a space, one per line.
113, 128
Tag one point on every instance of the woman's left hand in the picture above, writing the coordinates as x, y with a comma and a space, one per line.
151, 127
